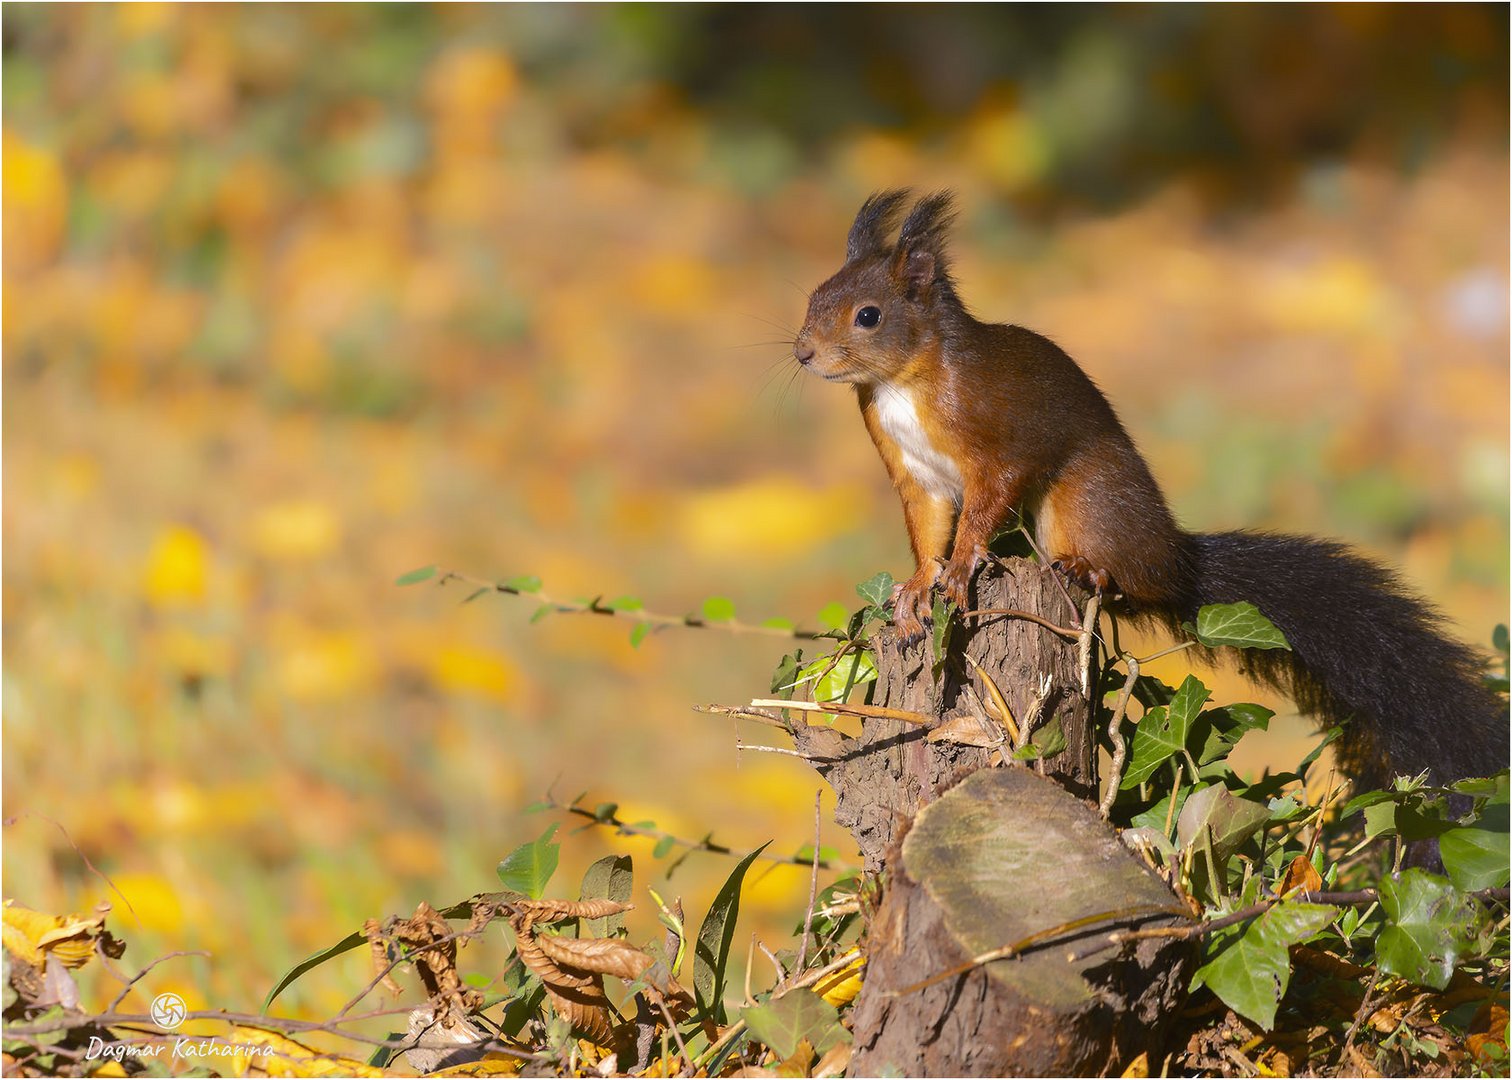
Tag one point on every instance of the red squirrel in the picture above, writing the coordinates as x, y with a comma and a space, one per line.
978, 421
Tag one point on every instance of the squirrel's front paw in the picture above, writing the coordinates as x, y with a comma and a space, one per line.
956, 580
912, 605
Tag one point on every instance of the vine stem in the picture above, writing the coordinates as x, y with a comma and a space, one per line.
655, 620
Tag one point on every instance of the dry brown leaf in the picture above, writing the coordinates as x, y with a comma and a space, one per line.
1488, 1028
379, 950
555, 910
603, 956
834, 1062
437, 964
966, 729
801, 1062
1300, 874
575, 994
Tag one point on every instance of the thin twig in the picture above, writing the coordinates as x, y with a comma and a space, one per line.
741, 712
808, 914
762, 748
1066, 632
1085, 644
116, 1001
1115, 736
875, 712
641, 615
1046, 564
625, 828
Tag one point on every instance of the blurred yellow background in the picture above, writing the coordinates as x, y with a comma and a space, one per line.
300, 298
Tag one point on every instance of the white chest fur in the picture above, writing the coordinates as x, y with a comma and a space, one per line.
934, 471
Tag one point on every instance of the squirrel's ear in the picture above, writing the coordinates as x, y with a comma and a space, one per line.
921, 257
918, 273
874, 221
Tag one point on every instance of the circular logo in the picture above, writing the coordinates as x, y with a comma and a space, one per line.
168, 1011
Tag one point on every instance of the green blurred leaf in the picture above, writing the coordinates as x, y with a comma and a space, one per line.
834, 616
528, 868
638, 634
778, 622
624, 603
1240, 625
718, 609
664, 847
610, 878
784, 1022
524, 583
1500, 640
711, 951
1430, 924
414, 577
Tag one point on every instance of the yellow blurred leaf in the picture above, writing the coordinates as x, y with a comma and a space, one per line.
469, 669
177, 567
35, 200
296, 530
154, 901
767, 519
324, 666
843, 985
31, 935
285, 1057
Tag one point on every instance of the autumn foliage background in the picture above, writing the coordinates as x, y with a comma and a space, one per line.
300, 298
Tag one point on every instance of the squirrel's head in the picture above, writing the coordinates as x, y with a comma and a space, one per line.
870, 320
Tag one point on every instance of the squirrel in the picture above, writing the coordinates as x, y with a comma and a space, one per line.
977, 421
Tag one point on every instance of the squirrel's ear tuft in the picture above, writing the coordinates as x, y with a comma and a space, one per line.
869, 233
927, 224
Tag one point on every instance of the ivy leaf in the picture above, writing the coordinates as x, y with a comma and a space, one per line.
1476, 855
711, 952
785, 675
1047, 741
718, 609
414, 577
1217, 811
1429, 924
876, 590
529, 867
1251, 973
786, 1021
1240, 625
842, 678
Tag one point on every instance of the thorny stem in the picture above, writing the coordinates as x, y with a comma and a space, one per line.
656, 620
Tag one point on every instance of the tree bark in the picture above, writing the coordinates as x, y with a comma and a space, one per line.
979, 852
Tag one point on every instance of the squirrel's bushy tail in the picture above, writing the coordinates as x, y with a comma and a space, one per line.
1365, 651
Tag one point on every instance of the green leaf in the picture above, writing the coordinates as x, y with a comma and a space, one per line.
415, 577
1476, 855
1429, 924
876, 590
1240, 625
1251, 973
346, 944
1047, 741
718, 609
611, 878
834, 616
525, 583
785, 674
638, 634
778, 622
711, 951
837, 680
786, 1021
624, 603
1500, 640
484, 590
664, 847
1162, 732
541, 612
942, 617
529, 867
1232, 820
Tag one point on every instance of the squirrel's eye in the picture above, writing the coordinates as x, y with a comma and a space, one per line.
869, 316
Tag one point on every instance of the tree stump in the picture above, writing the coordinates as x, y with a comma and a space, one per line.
976, 852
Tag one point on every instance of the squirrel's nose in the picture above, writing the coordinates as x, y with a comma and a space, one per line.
804, 353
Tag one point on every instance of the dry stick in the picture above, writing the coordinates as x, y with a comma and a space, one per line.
1115, 736
762, 748
760, 716
682, 1047
1365, 1010
1028, 616
875, 712
626, 828
1084, 650
116, 1001
1045, 563
1034, 715
1005, 951
808, 915
595, 607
